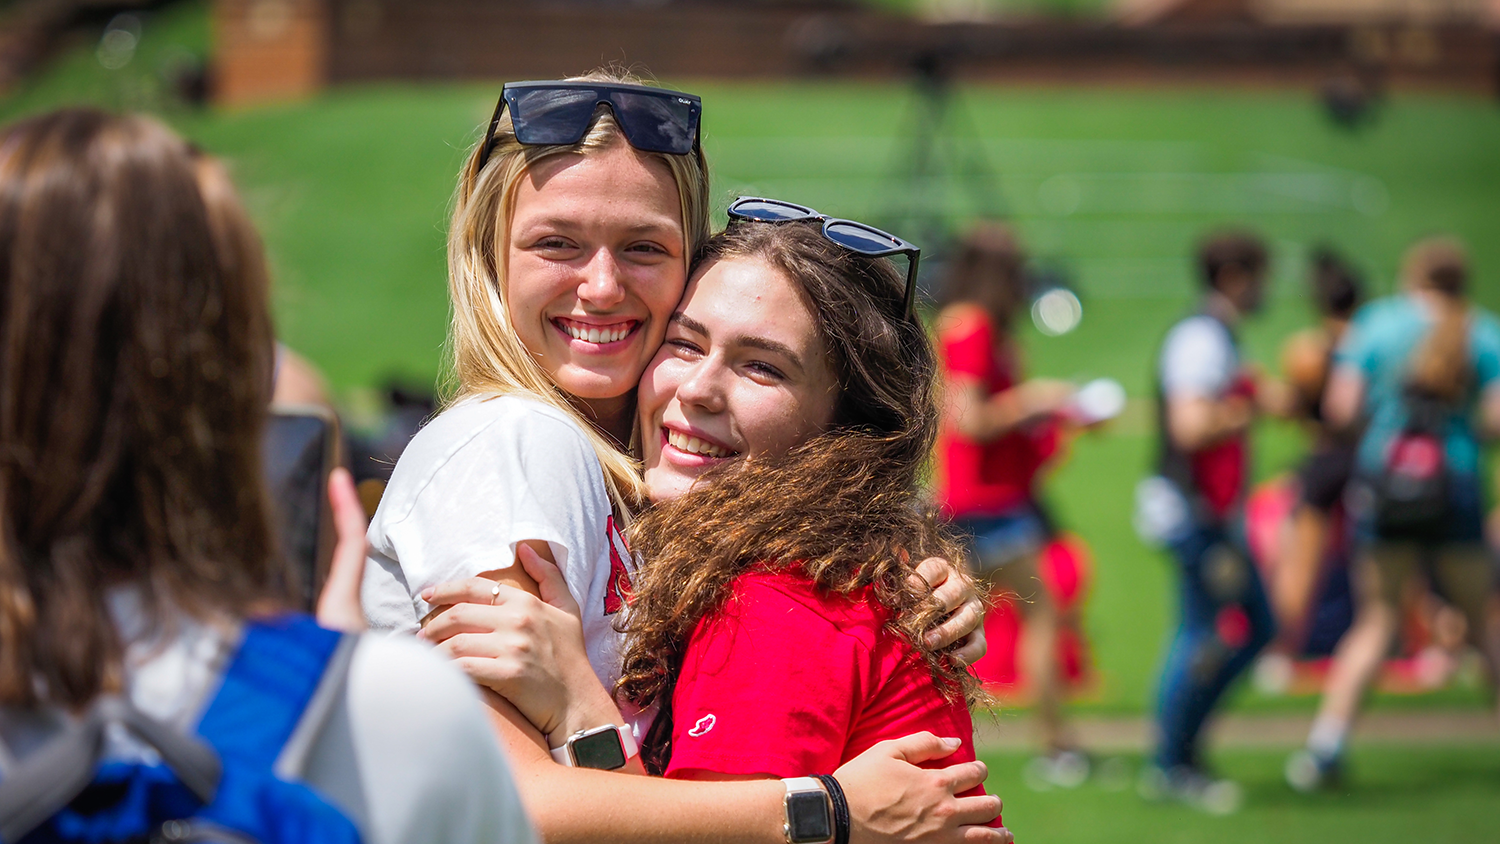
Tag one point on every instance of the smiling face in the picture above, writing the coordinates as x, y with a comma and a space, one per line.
594, 264
743, 372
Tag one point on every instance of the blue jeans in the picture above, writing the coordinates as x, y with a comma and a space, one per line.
1225, 621
994, 542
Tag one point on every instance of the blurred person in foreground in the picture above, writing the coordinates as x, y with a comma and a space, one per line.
1422, 370
1307, 361
137, 566
1207, 400
294, 379
998, 429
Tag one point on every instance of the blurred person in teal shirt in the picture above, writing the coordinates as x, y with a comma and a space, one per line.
1421, 370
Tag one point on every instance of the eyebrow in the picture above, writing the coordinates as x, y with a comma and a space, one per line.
647, 228
751, 340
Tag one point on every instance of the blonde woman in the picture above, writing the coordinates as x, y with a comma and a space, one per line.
573, 226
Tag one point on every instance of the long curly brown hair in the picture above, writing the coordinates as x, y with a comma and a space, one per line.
845, 507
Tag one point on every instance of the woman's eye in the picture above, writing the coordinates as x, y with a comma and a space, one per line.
646, 249
684, 347
765, 371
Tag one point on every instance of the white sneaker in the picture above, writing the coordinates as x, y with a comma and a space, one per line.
1191, 787
1307, 772
1060, 769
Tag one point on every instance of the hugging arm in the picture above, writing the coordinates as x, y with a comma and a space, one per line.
891, 799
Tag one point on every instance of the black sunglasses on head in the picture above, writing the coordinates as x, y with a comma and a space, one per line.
850, 234
559, 112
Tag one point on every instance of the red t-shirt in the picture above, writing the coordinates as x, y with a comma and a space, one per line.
788, 680
974, 478
1220, 470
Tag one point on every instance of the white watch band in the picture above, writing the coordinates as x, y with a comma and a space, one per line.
561, 756
796, 784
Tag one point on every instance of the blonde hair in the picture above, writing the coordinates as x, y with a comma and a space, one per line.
1441, 366
487, 358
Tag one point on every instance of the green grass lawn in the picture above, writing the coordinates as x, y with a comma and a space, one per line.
1114, 185
1442, 794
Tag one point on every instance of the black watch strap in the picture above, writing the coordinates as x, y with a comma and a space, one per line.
840, 808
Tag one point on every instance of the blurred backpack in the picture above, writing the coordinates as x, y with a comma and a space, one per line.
1411, 489
227, 783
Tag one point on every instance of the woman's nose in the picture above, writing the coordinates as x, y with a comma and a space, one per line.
704, 386
602, 287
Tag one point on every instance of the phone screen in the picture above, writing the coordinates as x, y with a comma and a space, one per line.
298, 455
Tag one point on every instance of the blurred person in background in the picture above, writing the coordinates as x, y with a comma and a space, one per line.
575, 221
138, 565
1306, 361
1422, 371
1207, 400
998, 429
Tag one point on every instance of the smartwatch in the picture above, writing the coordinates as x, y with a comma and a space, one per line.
607, 748
809, 812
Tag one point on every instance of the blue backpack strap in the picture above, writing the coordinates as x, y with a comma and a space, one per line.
271, 706
274, 676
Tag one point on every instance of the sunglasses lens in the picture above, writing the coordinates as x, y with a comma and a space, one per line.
858, 238
770, 210
657, 122
551, 115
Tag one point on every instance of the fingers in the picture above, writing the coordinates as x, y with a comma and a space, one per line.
972, 649
986, 835
966, 775
457, 619
919, 747
934, 571
979, 809
478, 646
951, 592
469, 590
549, 580
968, 618
338, 604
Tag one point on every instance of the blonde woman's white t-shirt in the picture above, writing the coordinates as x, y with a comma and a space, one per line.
476, 481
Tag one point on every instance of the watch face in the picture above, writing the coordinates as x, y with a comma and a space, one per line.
600, 750
807, 817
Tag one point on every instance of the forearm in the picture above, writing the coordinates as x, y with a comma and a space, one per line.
583, 805
985, 418
1197, 423
577, 804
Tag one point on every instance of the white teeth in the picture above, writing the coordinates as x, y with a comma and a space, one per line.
693, 445
596, 335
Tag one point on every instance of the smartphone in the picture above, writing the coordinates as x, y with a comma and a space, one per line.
301, 448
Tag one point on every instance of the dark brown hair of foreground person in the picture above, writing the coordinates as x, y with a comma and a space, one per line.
1441, 367
135, 365
845, 506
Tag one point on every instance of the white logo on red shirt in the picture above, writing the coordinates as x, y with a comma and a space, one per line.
704, 724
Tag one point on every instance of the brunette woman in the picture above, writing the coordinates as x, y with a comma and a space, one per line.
136, 556
785, 424
1307, 360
